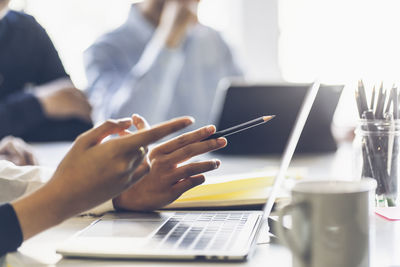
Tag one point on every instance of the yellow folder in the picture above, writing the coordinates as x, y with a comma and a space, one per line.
242, 189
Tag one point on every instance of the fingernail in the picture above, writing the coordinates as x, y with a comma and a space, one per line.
211, 129
221, 141
190, 120
135, 118
200, 181
217, 163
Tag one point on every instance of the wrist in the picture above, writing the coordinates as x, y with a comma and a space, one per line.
37, 212
117, 203
121, 203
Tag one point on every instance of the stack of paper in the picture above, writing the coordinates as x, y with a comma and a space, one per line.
233, 190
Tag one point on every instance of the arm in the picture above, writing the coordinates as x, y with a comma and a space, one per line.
14, 182
53, 87
91, 173
51, 67
19, 113
61, 100
94, 171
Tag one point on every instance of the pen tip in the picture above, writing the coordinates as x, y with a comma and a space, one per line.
267, 118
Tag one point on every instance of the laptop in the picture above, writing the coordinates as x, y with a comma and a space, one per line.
237, 102
184, 235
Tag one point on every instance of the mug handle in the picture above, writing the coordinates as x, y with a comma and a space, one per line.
303, 252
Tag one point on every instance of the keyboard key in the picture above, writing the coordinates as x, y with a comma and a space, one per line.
190, 238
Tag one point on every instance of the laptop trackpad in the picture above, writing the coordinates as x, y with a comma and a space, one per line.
139, 227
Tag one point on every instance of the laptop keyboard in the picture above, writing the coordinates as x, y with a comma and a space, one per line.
200, 231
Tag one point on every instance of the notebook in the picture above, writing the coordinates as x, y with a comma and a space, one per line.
184, 235
235, 191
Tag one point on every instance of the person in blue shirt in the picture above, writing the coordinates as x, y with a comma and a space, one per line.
161, 63
38, 101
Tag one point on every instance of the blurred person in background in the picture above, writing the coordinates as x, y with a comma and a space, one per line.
161, 63
38, 101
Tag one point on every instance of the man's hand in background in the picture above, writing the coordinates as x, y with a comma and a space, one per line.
61, 100
17, 151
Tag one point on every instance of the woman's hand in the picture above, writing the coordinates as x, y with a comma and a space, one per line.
91, 173
167, 180
17, 151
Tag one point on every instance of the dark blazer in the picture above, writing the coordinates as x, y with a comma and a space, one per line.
28, 57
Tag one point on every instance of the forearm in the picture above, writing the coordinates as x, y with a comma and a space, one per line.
19, 113
38, 212
32, 215
49, 206
32, 201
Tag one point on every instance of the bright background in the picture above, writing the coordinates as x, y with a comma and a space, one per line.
337, 41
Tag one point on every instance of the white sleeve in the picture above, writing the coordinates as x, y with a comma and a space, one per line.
16, 181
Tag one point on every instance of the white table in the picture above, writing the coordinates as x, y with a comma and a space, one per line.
40, 250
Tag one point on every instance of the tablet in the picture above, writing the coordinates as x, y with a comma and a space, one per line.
238, 102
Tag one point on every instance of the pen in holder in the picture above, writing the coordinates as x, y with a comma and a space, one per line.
378, 141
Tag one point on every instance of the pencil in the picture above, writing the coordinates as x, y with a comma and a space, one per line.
363, 96
241, 127
358, 102
380, 103
395, 103
389, 102
373, 98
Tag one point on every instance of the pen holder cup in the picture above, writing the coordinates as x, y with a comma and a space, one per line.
377, 146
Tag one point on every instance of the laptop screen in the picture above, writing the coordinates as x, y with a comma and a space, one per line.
291, 145
237, 102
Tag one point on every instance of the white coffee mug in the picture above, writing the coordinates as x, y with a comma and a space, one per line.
330, 223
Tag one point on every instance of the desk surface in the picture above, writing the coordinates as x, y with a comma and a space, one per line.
40, 250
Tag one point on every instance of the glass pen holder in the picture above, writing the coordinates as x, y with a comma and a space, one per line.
377, 147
